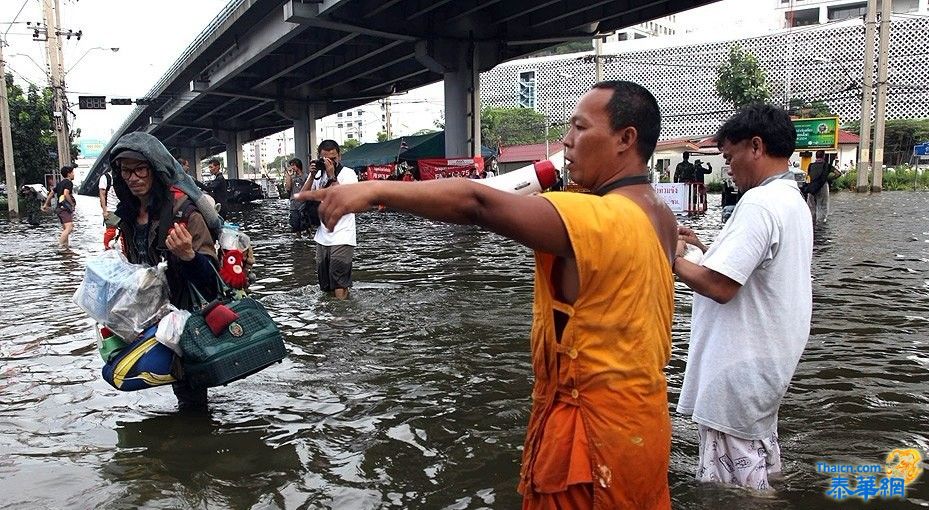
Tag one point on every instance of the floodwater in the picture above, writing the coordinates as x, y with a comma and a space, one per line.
415, 393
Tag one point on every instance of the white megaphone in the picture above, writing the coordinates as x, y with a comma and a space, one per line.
526, 180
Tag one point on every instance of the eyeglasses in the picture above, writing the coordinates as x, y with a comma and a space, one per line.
140, 171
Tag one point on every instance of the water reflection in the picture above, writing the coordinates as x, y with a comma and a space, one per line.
415, 392
185, 461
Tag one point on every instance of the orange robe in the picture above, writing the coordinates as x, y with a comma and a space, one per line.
600, 404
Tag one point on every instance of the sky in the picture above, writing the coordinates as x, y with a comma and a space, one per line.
151, 35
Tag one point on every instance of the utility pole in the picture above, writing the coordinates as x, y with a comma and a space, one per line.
881, 108
53, 47
867, 87
12, 198
598, 62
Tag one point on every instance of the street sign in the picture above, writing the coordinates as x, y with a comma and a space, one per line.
91, 102
921, 149
90, 148
818, 133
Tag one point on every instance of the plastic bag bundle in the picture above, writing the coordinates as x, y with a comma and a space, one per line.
124, 297
170, 329
232, 239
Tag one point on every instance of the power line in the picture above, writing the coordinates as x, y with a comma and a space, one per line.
17, 73
15, 18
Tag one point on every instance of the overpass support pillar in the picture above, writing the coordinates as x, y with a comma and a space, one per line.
190, 154
305, 138
195, 164
234, 158
460, 62
463, 107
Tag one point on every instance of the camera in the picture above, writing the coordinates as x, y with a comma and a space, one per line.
320, 167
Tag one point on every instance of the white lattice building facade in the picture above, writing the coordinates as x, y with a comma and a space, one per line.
821, 62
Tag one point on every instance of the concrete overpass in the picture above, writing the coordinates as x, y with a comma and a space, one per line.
262, 66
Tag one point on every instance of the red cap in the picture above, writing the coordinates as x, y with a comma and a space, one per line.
545, 171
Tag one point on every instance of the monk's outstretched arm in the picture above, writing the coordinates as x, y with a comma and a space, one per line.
528, 220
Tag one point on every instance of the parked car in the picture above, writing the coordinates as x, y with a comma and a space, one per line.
240, 191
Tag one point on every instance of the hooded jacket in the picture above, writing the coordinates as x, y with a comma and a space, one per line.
174, 198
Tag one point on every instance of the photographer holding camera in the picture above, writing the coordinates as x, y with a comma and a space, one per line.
334, 249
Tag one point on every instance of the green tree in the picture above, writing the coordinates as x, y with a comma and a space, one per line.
809, 109
424, 131
350, 144
515, 126
275, 165
382, 136
900, 135
740, 80
33, 134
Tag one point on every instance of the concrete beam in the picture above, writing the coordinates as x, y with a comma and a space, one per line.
306, 60
381, 8
248, 110
309, 14
525, 11
361, 58
182, 102
393, 80
478, 7
426, 10
328, 5
214, 110
263, 38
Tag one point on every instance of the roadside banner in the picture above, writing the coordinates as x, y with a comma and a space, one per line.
817, 133
375, 172
674, 194
444, 168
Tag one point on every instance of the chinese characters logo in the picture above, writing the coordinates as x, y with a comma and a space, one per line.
866, 481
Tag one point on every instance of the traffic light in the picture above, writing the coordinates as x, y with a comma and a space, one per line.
91, 102
120, 101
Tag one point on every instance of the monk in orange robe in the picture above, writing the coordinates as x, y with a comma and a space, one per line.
599, 434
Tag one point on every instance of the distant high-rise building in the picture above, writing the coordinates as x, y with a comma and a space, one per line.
799, 13
655, 28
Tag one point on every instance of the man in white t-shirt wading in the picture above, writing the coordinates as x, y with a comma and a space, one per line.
334, 249
108, 203
752, 304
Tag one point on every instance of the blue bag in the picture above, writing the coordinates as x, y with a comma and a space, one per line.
145, 363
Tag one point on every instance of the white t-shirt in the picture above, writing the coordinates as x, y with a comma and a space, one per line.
743, 354
344, 233
111, 200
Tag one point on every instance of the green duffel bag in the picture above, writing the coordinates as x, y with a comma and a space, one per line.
227, 340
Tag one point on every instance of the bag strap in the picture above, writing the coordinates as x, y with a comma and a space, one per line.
222, 289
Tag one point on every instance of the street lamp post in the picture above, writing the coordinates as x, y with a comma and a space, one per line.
114, 50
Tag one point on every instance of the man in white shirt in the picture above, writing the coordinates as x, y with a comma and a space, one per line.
752, 304
108, 203
334, 249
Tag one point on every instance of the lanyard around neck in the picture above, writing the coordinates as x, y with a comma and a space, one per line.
619, 183
786, 175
